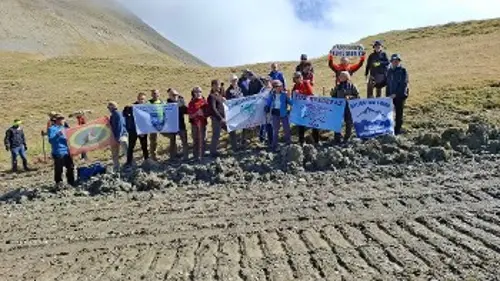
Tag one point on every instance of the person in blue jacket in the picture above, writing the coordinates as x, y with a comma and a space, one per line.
397, 89
275, 74
277, 105
60, 151
117, 122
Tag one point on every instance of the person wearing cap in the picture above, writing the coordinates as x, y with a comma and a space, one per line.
348, 91
376, 70
233, 92
15, 142
266, 130
397, 89
217, 114
275, 74
117, 122
60, 151
303, 87
301, 65
277, 105
153, 138
128, 114
197, 117
174, 97
344, 65
51, 122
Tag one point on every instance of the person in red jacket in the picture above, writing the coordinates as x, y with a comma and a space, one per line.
196, 111
303, 87
344, 65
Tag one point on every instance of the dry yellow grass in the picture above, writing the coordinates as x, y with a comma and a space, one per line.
454, 72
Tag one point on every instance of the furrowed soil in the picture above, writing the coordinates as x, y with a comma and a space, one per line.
424, 219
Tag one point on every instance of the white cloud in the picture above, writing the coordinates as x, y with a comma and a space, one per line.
233, 32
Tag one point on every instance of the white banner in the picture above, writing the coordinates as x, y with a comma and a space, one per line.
372, 117
156, 118
347, 50
246, 112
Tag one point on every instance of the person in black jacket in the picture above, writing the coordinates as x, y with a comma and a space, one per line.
303, 61
255, 84
174, 97
397, 89
128, 114
217, 115
376, 70
15, 142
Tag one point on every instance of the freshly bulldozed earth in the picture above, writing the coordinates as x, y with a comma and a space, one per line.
431, 214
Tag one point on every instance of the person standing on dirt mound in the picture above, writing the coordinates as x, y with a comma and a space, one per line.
348, 91
397, 89
217, 115
376, 70
153, 138
304, 87
233, 92
277, 105
117, 123
128, 114
196, 110
344, 65
175, 97
60, 151
15, 142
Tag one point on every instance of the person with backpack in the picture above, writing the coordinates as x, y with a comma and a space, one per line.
196, 110
174, 97
344, 65
376, 70
348, 91
304, 87
128, 114
15, 142
119, 133
277, 105
60, 151
233, 92
397, 89
217, 115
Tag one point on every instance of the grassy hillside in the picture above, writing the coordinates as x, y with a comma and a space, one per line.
454, 72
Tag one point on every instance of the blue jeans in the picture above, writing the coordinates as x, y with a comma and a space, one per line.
18, 151
277, 122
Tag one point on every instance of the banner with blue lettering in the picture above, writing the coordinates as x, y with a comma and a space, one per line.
246, 112
318, 112
372, 117
156, 118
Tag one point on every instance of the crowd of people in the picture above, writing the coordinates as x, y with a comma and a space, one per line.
381, 71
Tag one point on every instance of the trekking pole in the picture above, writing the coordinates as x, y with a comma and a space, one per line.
43, 148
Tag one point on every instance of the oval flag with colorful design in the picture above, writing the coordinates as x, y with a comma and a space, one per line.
92, 136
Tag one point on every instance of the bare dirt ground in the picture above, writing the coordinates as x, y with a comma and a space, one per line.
420, 220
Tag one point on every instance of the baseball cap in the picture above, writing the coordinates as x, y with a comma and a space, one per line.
395, 57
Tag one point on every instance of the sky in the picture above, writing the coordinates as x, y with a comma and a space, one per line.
237, 32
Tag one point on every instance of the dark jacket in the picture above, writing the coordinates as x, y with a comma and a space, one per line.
117, 123
300, 67
243, 83
234, 92
345, 89
58, 141
182, 112
255, 86
216, 106
377, 63
397, 82
128, 114
14, 137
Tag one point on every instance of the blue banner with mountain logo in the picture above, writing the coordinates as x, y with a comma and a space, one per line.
372, 117
318, 112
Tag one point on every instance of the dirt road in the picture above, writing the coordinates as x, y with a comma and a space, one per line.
441, 222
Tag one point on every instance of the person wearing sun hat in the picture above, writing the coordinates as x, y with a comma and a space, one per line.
60, 151
15, 142
376, 70
397, 89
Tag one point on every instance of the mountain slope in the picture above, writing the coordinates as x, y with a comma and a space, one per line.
81, 27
